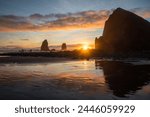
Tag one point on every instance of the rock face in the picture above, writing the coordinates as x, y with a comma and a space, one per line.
44, 46
64, 46
98, 42
124, 32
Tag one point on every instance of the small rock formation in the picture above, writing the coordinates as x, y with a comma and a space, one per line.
98, 42
44, 46
124, 32
53, 50
64, 46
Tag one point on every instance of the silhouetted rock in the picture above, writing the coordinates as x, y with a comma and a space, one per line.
53, 50
124, 32
64, 46
44, 46
98, 42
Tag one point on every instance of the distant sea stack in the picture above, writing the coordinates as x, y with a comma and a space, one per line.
44, 46
64, 46
124, 32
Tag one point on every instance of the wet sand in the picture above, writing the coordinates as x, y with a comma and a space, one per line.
19, 59
63, 78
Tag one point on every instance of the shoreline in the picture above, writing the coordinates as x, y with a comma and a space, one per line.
22, 59
30, 59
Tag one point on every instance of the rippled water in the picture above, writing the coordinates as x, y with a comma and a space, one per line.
78, 79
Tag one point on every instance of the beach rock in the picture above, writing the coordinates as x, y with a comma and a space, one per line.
98, 42
124, 32
44, 46
64, 46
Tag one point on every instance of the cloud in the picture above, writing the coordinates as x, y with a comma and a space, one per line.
38, 22
24, 39
68, 21
10, 48
143, 12
39, 16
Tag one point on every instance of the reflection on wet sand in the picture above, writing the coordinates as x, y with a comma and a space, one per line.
61, 80
124, 78
76, 79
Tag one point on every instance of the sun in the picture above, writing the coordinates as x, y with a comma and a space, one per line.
85, 47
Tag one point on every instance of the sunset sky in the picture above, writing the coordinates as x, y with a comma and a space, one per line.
26, 23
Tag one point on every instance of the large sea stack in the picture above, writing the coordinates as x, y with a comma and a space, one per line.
44, 46
124, 32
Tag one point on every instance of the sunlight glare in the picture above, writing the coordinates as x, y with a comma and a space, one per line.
85, 47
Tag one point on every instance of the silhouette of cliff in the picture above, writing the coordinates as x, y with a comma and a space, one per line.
44, 46
124, 32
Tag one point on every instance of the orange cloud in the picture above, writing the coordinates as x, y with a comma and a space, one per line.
37, 22
69, 21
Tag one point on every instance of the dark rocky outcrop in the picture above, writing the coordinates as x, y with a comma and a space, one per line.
44, 46
124, 32
98, 42
64, 46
